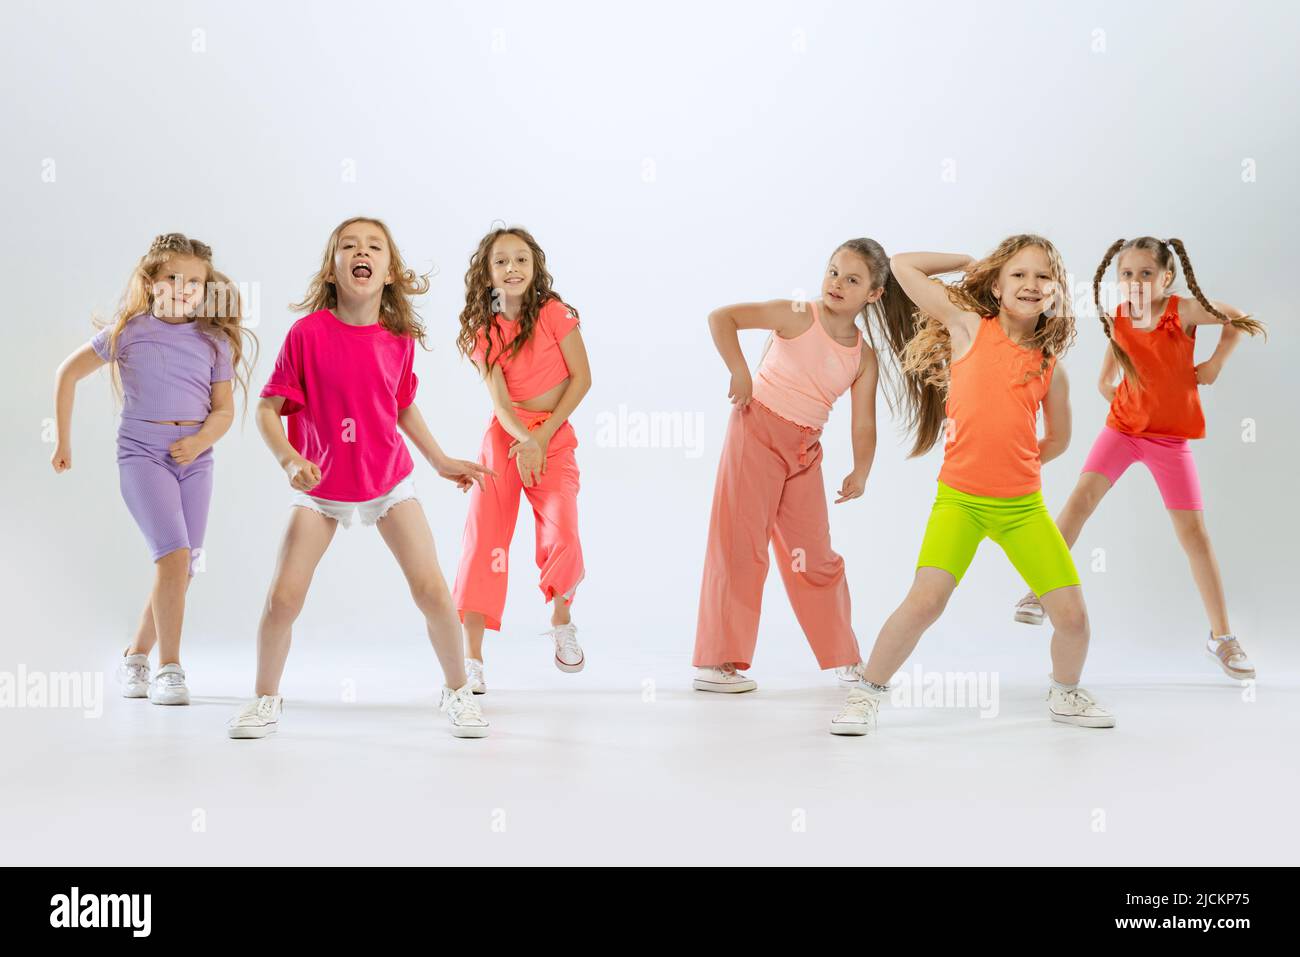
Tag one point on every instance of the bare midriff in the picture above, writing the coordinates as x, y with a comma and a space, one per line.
547, 401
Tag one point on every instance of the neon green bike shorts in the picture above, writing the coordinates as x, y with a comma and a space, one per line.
1022, 526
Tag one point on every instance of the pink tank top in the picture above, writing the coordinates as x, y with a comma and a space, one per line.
799, 379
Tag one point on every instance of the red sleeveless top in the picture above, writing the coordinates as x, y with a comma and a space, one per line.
1166, 404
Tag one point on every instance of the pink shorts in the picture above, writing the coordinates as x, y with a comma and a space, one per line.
1169, 459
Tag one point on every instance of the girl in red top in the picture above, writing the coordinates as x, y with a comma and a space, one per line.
524, 341
1155, 410
345, 380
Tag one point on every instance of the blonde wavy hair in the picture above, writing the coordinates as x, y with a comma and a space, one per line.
396, 307
220, 317
926, 358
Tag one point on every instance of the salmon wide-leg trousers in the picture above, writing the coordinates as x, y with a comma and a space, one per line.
485, 552
770, 491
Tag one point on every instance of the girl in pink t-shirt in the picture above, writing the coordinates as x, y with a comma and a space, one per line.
345, 381
524, 340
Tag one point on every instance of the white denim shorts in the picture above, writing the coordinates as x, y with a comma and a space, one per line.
371, 511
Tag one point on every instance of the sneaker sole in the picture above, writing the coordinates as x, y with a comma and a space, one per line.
741, 686
1234, 675
1081, 722
469, 732
178, 701
571, 669
135, 693
242, 733
849, 730
1028, 618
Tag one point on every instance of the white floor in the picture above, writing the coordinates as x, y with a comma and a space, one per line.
625, 764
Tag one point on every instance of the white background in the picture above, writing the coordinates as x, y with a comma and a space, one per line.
670, 159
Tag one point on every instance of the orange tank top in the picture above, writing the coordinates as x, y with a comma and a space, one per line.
1166, 403
799, 379
991, 432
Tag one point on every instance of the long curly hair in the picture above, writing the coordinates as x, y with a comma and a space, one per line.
220, 317
396, 306
1164, 251
926, 356
481, 304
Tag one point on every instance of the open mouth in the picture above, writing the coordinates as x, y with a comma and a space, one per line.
361, 270
514, 281
836, 296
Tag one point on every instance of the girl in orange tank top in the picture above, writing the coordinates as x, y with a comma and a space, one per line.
1154, 410
977, 364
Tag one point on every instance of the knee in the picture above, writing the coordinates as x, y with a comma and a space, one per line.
432, 596
1192, 530
175, 565
1072, 620
285, 600
927, 605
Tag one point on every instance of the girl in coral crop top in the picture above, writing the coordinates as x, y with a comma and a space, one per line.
525, 342
978, 366
1155, 410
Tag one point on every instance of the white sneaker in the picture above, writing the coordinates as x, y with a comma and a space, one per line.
1029, 610
168, 686
474, 674
851, 674
724, 678
133, 675
859, 714
462, 710
258, 718
568, 654
1230, 656
1078, 708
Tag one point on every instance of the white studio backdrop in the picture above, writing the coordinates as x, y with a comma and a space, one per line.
669, 158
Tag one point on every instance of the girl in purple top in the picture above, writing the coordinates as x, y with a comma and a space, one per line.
174, 347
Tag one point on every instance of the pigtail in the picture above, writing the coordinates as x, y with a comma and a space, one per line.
1122, 357
1245, 323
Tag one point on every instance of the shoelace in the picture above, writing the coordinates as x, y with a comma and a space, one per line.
135, 673
728, 669
1079, 697
859, 704
566, 639
463, 706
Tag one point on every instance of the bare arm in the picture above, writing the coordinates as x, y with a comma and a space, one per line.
914, 271
464, 473
71, 371
574, 351
862, 397
1193, 313
303, 475
779, 315
1109, 370
1056, 417
502, 407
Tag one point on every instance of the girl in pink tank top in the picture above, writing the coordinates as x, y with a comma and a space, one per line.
769, 490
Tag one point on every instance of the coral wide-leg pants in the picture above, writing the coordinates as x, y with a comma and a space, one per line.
770, 490
485, 554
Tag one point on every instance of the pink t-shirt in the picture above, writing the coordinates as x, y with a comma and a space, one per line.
343, 386
540, 364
